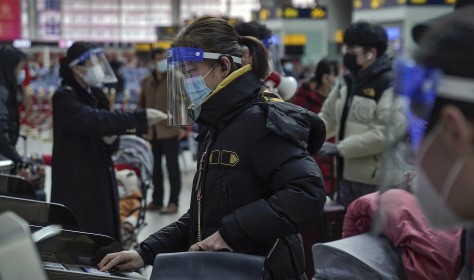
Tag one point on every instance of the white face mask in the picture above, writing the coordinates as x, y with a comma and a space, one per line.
94, 76
433, 204
162, 66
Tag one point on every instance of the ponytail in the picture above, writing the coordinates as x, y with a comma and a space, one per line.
259, 55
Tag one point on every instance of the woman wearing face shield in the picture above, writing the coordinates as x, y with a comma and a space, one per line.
437, 90
85, 136
256, 184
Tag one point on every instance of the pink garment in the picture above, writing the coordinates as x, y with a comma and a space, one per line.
426, 253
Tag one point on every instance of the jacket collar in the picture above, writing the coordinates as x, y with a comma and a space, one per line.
383, 64
232, 95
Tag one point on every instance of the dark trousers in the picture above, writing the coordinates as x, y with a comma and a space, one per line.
170, 149
349, 191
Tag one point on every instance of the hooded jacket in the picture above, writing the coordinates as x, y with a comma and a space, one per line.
258, 181
361, 134
9, 124
10, 100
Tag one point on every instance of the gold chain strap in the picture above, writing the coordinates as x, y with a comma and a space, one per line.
199, 190
199, 199
199, 220
272, 249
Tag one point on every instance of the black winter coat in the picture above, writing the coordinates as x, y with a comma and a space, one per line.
9, 124
83, 175
259, 185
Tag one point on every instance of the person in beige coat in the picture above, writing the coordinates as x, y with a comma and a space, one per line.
164, 139
356, 112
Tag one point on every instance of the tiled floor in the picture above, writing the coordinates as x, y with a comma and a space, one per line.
154, 220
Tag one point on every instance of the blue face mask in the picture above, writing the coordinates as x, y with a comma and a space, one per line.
162, 66
197, 89
20, 77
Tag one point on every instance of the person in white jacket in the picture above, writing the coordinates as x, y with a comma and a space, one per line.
356, 112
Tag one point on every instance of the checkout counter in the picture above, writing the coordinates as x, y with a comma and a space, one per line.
16, 186
75, 255
59, 254
5, 164
39, 213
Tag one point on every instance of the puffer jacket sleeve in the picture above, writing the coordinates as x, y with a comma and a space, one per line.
170, 239
7, 148
329, 112
372, 141
295, 181
76, 117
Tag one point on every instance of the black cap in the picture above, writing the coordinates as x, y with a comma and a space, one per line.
421, 28
77, 49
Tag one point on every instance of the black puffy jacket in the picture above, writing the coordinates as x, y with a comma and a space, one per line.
9, 123
259, 182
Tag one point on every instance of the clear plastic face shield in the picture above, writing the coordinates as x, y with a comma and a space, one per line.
274, 63
98, 68
187, 89
417, 90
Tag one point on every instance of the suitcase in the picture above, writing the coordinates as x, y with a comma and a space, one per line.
326, 228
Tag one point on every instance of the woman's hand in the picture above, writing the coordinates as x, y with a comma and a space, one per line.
125, 260
212, 243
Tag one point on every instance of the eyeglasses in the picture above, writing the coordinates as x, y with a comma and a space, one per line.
357, 50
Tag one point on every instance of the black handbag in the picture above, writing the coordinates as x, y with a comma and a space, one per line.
207, 265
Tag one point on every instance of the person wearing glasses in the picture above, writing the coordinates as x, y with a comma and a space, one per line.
356, 112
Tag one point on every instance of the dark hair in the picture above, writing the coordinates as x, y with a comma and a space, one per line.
325, 66
157, 51
213, 34
448, 46
74, 51
10, 57
254, 29
367, 36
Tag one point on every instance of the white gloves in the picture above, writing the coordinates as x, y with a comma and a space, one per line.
154, 116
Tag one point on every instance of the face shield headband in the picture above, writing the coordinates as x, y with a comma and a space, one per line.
420, 92
185, 85
99, 64
419, 87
